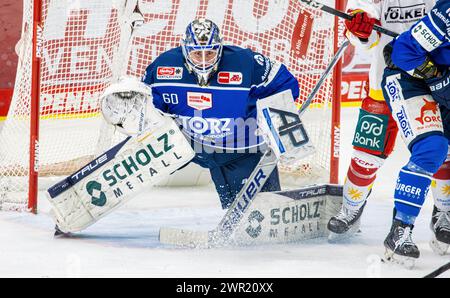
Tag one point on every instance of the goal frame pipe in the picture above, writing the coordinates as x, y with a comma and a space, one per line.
336, 104
35, 107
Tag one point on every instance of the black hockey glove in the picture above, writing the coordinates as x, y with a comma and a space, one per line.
427, 70
440, 88
387, 53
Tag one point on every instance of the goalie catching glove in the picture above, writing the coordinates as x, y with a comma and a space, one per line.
128, 106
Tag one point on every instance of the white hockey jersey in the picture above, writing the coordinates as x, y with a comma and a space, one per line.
395, 15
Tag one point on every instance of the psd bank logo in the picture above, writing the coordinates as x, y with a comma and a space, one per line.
98, 197
370, 131
254, 229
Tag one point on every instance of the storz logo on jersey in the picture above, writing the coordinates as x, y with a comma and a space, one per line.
404, 123
406, 14
393, 88
199, 101
169, 73
212, 126
230, 78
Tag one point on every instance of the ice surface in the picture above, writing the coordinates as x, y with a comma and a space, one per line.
126, 244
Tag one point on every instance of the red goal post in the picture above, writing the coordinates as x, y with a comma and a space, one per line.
35, 92
71, 50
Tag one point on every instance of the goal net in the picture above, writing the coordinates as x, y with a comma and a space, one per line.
81, 46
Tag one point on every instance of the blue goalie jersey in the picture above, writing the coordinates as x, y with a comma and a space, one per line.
429, 37
222, 114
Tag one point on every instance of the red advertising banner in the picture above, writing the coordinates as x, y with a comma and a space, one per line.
302, 35
353, 89
10, 26
5, 100
355, 64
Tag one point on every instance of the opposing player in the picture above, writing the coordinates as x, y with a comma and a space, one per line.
211, 89
417, 86
376, 130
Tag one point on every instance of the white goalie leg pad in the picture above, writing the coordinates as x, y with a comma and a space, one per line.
281, 127
287, 216
118, 175
273, 217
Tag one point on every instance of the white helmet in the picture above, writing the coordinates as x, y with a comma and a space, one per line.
202, 49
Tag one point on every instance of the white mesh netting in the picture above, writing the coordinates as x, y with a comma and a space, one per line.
89, 43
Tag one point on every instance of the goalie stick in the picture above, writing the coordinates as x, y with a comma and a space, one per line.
324, 76
268, 162
317, 5
438, 271
221, 234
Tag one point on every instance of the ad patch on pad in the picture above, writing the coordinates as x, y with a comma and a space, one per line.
169, 73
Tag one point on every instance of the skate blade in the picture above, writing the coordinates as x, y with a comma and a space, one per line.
334, 237
60, 234
404, 261
439, 247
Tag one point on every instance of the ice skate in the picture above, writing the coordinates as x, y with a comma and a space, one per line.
345, 224
60, 234
440, 226
399, 245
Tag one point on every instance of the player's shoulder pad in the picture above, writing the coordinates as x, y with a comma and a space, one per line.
242, 56
443, 5
431, 31
440, 14
261, 66
252, 64
171, 58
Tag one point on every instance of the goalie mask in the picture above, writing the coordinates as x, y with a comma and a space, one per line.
202, 49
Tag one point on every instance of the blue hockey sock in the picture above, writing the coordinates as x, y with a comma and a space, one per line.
410, 192
405, 218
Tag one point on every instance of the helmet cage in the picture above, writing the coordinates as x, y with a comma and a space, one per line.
197, 52
204, 64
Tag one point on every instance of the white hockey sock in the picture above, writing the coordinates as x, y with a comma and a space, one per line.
440, 187
360, 177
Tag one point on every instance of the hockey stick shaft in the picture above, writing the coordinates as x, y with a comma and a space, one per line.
438, 271
324, 76
220, 235
257, 180
338, 13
